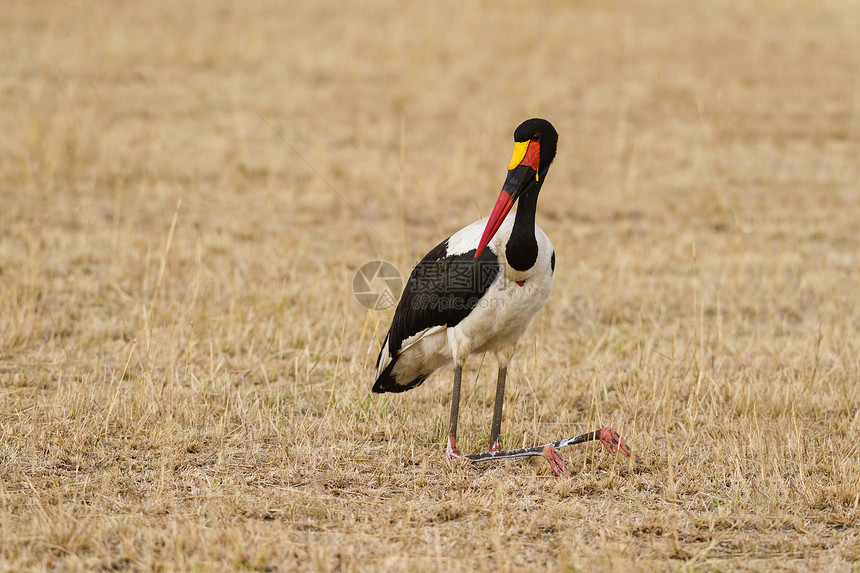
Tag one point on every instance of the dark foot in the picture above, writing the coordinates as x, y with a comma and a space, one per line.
615, 443
451, 450
555, 462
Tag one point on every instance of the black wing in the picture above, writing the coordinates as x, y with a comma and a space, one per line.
442, 290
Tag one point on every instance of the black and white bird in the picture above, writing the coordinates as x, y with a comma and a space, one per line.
478, 289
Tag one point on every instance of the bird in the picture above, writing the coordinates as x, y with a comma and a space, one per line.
477, 290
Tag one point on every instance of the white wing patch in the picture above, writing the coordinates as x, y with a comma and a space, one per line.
416, 338
467, 238
384, 358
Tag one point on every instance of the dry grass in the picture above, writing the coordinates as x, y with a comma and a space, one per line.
185, 374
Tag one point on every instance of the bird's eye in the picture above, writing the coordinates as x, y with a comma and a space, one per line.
536, 137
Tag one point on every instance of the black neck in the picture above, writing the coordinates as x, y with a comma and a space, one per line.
522, 247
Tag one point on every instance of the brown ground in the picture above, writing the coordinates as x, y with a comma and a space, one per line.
185, 373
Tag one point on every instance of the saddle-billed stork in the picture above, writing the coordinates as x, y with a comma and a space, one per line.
477, 290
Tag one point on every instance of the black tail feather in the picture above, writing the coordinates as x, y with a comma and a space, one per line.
387, 383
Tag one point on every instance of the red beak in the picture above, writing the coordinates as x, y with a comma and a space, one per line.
524, 166
522, 173
503, 206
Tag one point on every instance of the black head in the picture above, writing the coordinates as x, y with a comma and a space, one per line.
541, 131
535, 144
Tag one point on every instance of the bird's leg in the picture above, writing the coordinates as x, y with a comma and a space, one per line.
496, 428
451, 449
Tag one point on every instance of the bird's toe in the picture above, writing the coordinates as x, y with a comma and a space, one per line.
615, 443
555, 461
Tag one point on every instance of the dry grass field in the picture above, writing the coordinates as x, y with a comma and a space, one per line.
186, 190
